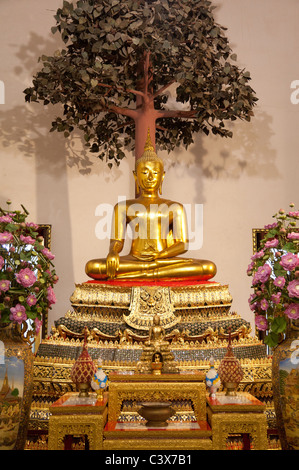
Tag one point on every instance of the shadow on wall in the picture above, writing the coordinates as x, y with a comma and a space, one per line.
248, 153
26, 127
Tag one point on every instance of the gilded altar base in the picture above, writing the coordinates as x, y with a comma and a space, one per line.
196, 319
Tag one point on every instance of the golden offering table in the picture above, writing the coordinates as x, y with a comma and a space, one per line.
72, 416
243, 415
138, 387
149, 387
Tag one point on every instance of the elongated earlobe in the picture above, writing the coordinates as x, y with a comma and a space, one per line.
137, 189
160, 187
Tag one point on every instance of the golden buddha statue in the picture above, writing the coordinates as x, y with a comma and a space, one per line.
159, 229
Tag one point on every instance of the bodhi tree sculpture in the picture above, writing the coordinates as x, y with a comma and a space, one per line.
123, 57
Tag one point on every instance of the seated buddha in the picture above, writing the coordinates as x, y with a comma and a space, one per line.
159, 230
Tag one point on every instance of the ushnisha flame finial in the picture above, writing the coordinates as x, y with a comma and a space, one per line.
149, 153
148, 143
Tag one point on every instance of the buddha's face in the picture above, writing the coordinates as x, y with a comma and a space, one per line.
149, 176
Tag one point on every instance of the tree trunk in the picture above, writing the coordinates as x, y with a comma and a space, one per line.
144, 122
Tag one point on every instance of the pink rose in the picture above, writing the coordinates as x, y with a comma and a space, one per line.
261, 322
258, 255
250, 268
264, 304
276, 297
292, 311
48, 253
26, 277
293, 288
18, 314
28, 240
253, 306
6, 219
32, 225
293, 236
38, 324
279, 281
1, 262
268, 227
289, 261
31, 300
4, 285
294, 214
263, 273
273, 243
6, 237
51, 296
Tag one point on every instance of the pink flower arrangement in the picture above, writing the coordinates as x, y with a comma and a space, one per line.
27, 274
274, 269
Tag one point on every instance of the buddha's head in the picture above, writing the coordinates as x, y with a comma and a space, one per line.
149, 170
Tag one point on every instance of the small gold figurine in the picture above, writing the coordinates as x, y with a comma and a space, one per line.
156, 356
159, 231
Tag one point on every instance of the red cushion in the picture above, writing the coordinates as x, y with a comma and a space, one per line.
174, 282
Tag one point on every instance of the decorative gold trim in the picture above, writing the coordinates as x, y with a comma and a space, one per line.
147, 301
161, 444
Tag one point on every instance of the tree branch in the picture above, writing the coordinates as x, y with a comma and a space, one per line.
146, 72
176, 114
163, 88
124, 90
132, 113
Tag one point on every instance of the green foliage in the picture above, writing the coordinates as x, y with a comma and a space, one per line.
102, 63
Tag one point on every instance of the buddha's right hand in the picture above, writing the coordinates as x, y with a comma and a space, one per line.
112, 264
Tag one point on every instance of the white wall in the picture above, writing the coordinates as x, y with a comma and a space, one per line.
241, 181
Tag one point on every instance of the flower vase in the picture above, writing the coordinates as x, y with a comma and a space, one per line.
285, 384
16, 385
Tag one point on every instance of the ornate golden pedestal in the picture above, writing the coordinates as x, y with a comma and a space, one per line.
74, 416
237, 415
196, 318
